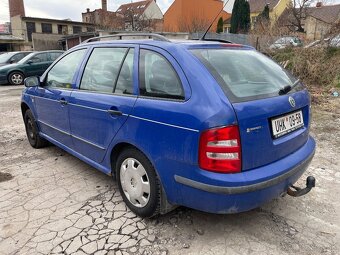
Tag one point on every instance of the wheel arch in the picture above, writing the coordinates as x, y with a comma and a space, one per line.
24, 108
15, 71
116, 150
165, 206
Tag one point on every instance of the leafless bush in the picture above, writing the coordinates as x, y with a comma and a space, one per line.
316, 67
266, 33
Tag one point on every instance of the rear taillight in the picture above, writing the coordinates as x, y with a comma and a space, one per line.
220, 150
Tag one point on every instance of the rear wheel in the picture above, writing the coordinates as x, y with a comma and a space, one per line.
138, 183
16, 78
32, 131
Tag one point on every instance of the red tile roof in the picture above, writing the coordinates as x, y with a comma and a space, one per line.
137, 8
326, 13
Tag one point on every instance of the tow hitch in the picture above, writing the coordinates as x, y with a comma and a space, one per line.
298, 192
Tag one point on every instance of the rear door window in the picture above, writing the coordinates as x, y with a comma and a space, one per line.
157, 77
245, 74
42, 57
102, 69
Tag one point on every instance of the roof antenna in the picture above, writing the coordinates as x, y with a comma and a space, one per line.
205, 33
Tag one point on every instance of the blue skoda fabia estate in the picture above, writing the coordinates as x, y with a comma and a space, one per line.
213, 126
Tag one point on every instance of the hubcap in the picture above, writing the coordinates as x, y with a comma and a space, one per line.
17, 79
30, 129
135, 182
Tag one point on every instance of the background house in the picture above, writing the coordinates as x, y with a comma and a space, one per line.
41, 33
320, 20
276, 8
142, 15
317, 22
193, 15
103, 18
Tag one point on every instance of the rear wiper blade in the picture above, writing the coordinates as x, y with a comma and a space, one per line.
288, 88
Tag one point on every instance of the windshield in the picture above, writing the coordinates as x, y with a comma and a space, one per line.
245, 74
23, 61
5, 57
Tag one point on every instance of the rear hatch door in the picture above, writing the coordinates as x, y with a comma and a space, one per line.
272, 126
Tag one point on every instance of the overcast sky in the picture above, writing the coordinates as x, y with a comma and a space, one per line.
63, 9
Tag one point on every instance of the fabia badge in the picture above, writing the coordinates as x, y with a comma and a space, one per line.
291, 101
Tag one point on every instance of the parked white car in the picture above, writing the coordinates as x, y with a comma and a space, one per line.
284, 42
335, 42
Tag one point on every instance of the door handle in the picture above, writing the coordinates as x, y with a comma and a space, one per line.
63, 102
113, 112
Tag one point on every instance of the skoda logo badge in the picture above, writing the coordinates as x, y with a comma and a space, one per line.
291, 101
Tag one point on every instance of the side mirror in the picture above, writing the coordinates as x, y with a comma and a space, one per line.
32, 81
30, 62
11, 61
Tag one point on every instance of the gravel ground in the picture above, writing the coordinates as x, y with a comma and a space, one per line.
53, 203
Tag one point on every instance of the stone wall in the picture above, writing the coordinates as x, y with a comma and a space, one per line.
46, 41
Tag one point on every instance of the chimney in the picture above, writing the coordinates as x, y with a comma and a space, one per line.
319, 4
87, 10
104, 5
16, 7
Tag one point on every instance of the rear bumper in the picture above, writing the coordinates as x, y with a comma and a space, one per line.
246, 190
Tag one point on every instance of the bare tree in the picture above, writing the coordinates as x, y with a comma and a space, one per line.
112, 21
193, 25
140, 22
297, 13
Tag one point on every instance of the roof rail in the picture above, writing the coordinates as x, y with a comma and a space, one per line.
120, 37
213, 40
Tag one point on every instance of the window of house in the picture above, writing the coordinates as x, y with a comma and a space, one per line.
102, 69
157, 77
46, 28
76, 29
90, 29
61, 75
62, 29
30, 27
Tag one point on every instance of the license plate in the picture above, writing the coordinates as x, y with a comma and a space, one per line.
287, 123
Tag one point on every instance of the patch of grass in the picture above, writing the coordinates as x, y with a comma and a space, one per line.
332, 51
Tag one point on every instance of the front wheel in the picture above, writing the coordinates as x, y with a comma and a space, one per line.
138, 183
16, 78
32, 131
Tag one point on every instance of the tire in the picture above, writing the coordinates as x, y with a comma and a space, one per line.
138, 183
32, 131
16, 78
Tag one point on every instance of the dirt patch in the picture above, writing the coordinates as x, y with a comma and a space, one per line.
4, 177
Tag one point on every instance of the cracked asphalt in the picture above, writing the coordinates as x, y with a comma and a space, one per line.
53, 203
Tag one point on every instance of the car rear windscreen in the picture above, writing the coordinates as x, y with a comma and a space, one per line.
245, 75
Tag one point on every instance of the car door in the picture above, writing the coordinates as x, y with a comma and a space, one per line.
52, 98
37, 65
105, 99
